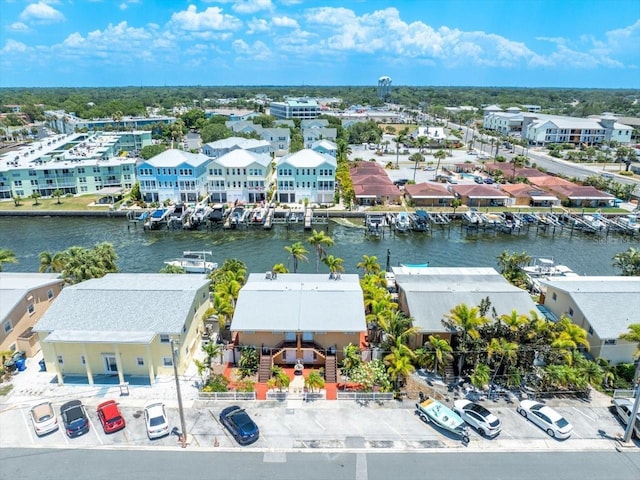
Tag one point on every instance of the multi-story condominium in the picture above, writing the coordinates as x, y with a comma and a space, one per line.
239, 175
306, 175
222, 147
174, 175
503, 122
302, 108
313, 134
278, 137
63, 122
532, 108
543, 129
79, 163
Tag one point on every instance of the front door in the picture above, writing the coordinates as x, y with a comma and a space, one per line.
110, 364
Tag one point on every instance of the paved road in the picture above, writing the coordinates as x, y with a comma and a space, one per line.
39, 464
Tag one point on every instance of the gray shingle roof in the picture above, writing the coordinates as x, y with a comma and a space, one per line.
15, 286
123, 304
431, 293
300, 302
610, 304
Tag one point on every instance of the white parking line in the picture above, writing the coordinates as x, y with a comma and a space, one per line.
318, 423
582, 413
28, 424
93, 429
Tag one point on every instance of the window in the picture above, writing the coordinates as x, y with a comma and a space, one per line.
31, 308
167, 361
60, 360
50, 294
570, 312
590, 330
164, 338
610, 342
7, 327
140, 361
83, 360
554, 296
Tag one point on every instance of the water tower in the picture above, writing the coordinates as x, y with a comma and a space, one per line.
384, 87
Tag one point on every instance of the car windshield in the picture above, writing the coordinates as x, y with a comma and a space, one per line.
480, 410
562, 422
155, 421
113, 419
74, 415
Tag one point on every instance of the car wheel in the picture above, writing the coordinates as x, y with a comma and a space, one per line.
523, 413
482, 432
424, 418
551, 433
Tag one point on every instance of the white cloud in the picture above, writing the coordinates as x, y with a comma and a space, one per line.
19, 27
258, 50
123, 6
12, 46
288, 3
625, 38
210, 19
42, 13
251, 6
257, 25
284, 22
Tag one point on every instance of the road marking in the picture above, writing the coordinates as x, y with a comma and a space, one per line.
28, 424
318, 423
93, 429
582, 413
361, 467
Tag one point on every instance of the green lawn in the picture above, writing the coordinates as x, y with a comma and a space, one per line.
51, 204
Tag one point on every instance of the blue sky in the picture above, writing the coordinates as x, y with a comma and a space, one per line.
524, 43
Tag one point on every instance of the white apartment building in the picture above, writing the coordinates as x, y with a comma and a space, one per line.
239, 175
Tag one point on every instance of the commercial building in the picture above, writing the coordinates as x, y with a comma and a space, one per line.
63, 122
302, 108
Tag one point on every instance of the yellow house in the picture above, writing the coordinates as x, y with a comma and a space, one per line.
604, 306
299, 318
24, 297
122, 326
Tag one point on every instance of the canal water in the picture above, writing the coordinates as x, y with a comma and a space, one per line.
145, 251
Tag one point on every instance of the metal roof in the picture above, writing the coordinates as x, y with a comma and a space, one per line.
243, 158
307, 158
175, 158
300, 302
431, 293
121, 302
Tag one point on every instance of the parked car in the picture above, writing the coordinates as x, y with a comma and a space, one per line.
74, 418
110, 416
429, 168
240, 425
546, 418
623, 407
485, 422
44, 419
156, 421
488, 180
401, 182
452, 180
478, 179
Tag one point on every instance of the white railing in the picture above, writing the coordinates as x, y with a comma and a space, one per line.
371, 396
227, 395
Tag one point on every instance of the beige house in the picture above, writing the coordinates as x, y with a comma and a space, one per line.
24, 297
603, 306
120, 327
307, 318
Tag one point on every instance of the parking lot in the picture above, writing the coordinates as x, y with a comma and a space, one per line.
295, 425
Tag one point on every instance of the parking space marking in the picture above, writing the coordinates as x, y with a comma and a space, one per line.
93, 429
582, 413
318, 423
28, 424
381, 420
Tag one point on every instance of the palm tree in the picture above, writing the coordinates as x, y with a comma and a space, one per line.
628, 262
514, 321
507, 351
398, 139
51, 263
568, 336
280, 268
369, 264
399, 363
396, 327
633, 335
351, 360
466, 321
422, 142
57, 193
439, 155
212, 350
334, 263
7, 256
319, 240
314, 381
438, 351
107, 256
297, 252
279, 379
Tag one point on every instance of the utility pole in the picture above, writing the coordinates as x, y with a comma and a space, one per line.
636, 405
174, 356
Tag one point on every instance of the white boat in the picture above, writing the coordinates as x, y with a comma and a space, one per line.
402, 222
630, 223
473, 217
544, 268
494, 219
194, 262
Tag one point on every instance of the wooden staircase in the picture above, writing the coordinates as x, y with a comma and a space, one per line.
264, 369
449, 375
330, 369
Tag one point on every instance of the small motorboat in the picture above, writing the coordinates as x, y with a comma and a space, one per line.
432, 411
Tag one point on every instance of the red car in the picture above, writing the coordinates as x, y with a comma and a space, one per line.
110, 416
